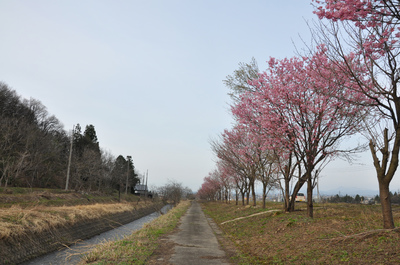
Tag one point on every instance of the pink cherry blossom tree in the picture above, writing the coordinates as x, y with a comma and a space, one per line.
238, 83
370, 30
241, 186
268, 174
230, 179
224, 174
241, 150
235, 149
229, 157
210, 189
217, 185
235, 178
300, 105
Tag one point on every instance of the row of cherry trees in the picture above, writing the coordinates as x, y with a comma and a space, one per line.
292, 118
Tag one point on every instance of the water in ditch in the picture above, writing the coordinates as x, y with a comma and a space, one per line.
72, 254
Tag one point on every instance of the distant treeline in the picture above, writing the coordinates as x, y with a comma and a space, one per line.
35, 150
346, 198
394, 197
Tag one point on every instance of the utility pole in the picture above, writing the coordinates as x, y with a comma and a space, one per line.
127, 175
147, 177
70, 157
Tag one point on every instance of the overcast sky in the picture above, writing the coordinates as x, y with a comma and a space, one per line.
148, 74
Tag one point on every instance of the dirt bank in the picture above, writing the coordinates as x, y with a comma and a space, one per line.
31, 244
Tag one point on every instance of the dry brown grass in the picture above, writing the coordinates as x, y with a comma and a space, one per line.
16, 220
338, 234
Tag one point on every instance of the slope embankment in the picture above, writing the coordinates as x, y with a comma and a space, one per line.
31, 243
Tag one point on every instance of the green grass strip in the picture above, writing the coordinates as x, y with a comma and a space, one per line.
140, 245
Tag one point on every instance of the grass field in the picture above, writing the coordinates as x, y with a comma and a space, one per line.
338, 234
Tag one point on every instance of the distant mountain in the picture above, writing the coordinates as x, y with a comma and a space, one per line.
351, 191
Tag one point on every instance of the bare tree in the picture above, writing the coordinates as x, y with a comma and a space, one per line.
238, 82
173, 191
347, 43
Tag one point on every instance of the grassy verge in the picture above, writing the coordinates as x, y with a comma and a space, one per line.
338, 234
137, 247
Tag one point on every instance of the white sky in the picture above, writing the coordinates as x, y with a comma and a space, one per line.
148, 74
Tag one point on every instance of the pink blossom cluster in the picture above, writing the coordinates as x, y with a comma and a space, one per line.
379, 18
365, 13
244, 143
302, 105
209, 188
217, 181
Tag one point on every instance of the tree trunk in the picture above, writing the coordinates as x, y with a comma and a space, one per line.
287, 176
236, 197
297, 188
384, 177
386, 205
287, 195
264, 194
253, 193
310, 206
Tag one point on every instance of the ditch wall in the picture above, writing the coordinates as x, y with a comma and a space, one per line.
30, 245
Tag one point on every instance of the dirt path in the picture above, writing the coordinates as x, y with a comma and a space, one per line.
194, 242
